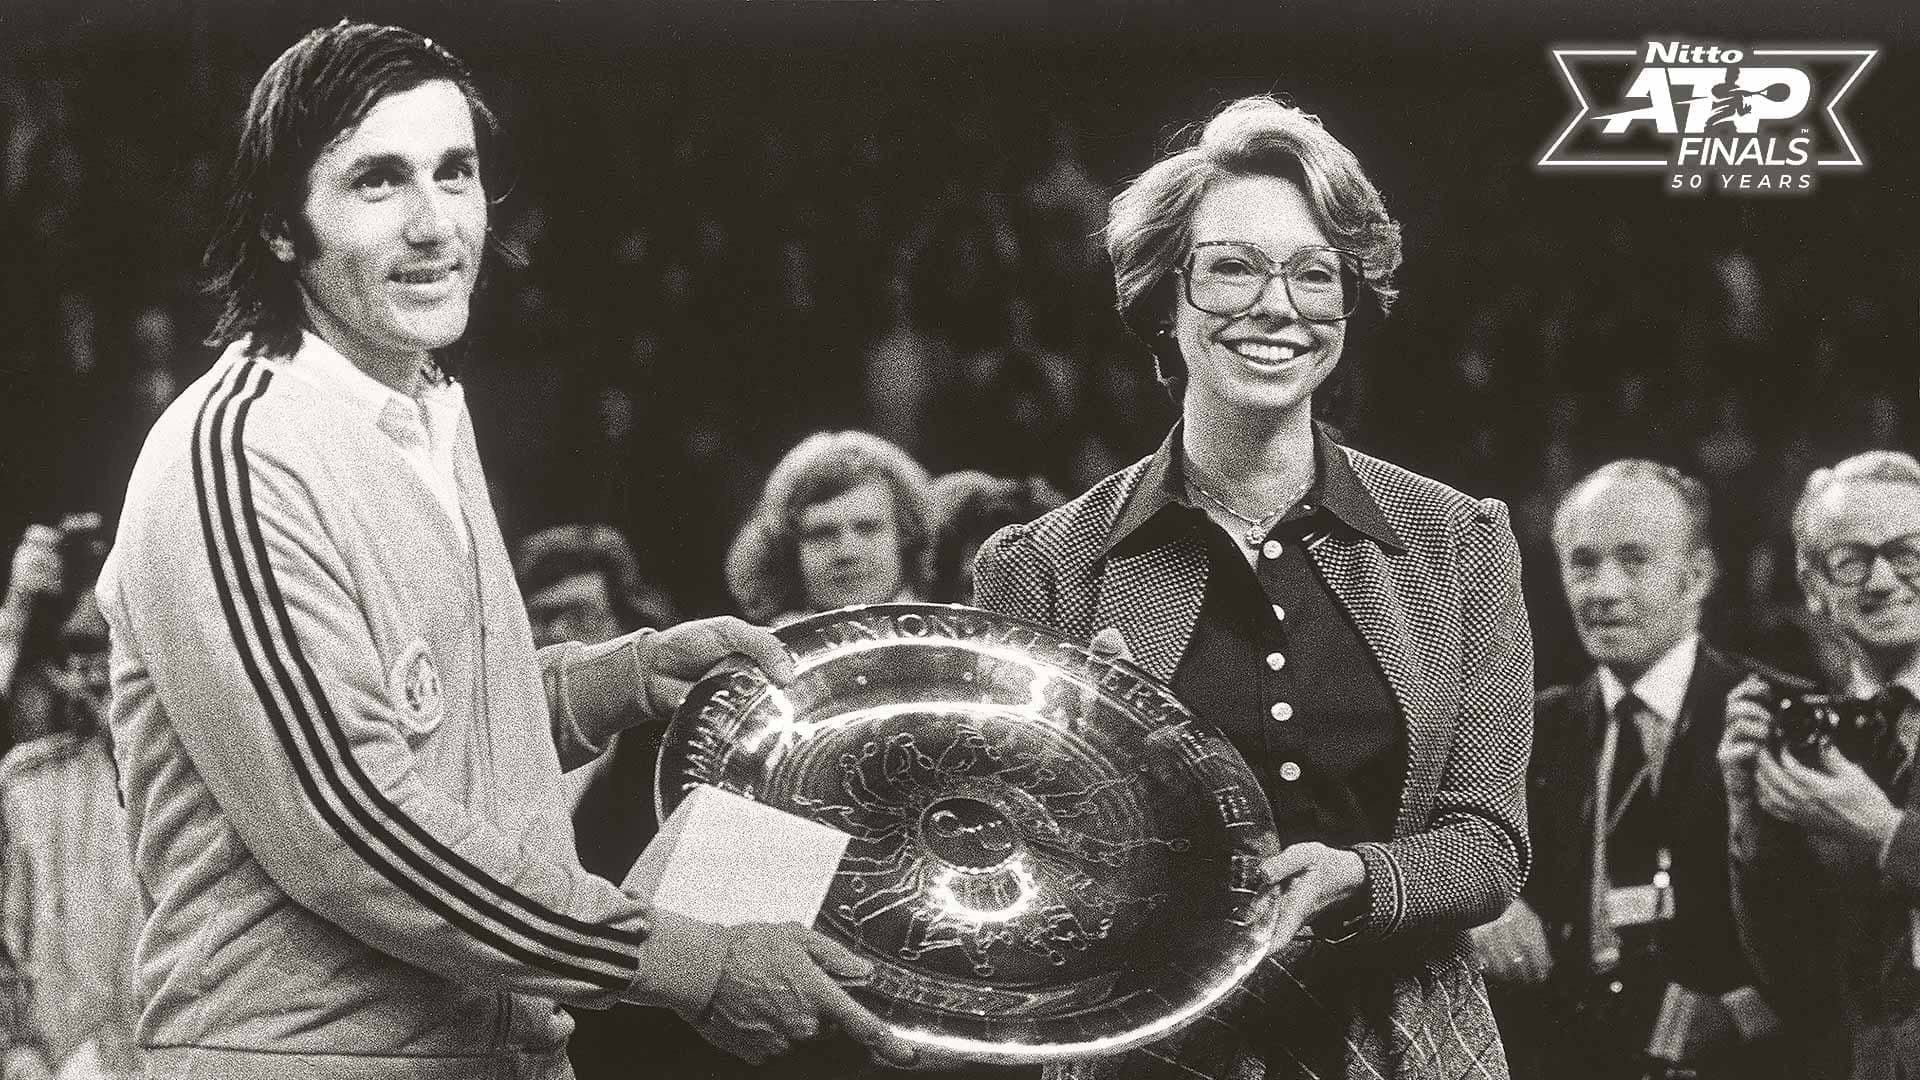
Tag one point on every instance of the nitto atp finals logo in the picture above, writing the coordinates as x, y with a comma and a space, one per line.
1709, 116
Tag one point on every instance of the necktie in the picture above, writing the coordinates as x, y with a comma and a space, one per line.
1894, 699
1629, 756
1895, 704
1632, 820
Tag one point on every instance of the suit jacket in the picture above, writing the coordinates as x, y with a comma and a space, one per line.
1829, 929
1570, 723
1443, 616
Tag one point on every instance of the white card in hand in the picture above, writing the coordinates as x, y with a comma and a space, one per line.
724, 859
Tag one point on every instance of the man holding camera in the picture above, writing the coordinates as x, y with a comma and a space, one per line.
1625, 922
1826, 860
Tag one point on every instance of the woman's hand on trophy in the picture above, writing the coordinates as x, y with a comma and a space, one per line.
1306, 880
1513, 947
672, 660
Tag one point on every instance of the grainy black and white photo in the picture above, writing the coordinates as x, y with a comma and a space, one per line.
982, 539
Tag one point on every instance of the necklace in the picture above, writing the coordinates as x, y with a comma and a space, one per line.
1257, 527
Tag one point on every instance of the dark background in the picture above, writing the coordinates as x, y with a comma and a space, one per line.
745, 222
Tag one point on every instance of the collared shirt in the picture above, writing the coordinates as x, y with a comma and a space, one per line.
1337, 491
1278, 666
1275, 662
422, 427
1863, 684
1663, 691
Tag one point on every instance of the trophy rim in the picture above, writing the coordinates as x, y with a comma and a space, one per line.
966, 1047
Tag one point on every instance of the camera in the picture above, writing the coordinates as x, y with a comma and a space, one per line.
1803, 722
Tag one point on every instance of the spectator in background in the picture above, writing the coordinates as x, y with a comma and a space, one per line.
968, 507
38, 598
1627, 908
1826, 854
1012, 406
70, 909
843, 520
583, 583
154, 349
907, 369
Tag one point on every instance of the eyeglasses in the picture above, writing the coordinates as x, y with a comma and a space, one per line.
1226, 278
1849, 565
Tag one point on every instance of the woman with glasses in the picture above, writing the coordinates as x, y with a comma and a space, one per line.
1356, 630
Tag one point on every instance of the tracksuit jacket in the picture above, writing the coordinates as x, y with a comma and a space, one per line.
341, 755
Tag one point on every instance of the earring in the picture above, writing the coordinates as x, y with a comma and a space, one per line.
282, 248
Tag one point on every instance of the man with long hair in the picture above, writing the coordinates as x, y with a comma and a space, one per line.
843, 520
340, 750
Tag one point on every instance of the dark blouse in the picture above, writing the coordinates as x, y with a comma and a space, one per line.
1279, 667
1276, 663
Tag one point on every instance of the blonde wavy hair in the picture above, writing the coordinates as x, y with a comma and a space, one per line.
1150, 224
763, 566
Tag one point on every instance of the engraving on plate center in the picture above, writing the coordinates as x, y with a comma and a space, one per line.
964, 831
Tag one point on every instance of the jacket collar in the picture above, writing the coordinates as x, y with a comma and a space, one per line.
1163, 484
431, 426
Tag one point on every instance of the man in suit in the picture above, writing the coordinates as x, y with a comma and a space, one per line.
1826, 858
1627, 908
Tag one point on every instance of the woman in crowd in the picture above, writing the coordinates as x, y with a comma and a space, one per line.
1355, 629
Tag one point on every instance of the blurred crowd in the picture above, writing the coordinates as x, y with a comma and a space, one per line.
709, 259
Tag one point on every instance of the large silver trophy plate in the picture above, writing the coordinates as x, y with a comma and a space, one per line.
1051, 858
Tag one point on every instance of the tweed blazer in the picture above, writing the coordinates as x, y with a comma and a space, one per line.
1443, 617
